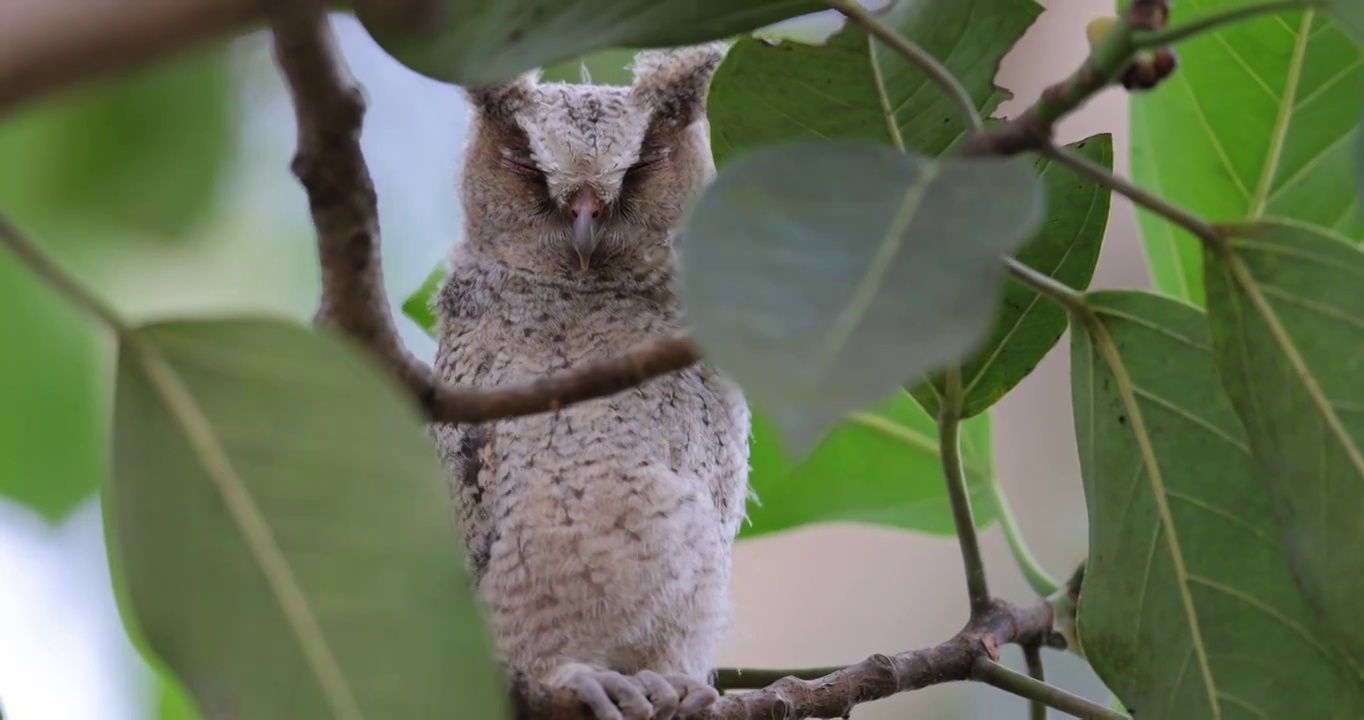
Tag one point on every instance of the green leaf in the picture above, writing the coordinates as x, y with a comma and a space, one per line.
765, 93
1189, 608
1026, 326
482, 42
1256, 123
880, 467
1286, 308
143, 154
418, 305
821, 276
54, 396
608, 67
283, 529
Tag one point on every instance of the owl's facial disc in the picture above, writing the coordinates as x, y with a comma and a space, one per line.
585, 209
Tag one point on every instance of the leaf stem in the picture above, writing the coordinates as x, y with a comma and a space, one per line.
992, 673
949, 442
1214, 20
1038, 579
61, 281
1084, 166
1048, 287
937, 73
1032, 655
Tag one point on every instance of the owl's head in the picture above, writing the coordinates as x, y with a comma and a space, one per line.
589, 182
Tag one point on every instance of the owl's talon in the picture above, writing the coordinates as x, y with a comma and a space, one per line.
644, 696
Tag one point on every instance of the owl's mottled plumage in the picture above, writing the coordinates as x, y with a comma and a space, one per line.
600, 536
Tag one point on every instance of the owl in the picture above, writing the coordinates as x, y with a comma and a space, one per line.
599, 536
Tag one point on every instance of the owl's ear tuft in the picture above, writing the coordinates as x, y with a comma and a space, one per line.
673, 83
501, 102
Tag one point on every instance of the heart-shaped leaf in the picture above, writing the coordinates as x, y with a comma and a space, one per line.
1255, 123
1189, 608
851, 87
1286, 308
282, 528
1028, 327
821, 276
880, 466
483, 42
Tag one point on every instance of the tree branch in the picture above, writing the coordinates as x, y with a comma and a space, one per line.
47, 45
329, 110
836, 694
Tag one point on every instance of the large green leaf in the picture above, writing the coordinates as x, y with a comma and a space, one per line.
850, 87
1189, 609
822, 276
142, 155
880, 466
1026, 326
481, 42
283, 530
1257, 122
53, 396
1286, 307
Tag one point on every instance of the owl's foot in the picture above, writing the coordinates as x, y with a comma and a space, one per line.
645, 695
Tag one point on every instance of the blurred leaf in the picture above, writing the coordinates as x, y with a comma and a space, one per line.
608, 67
1350, 13
138, 156
1189, 608
765, 93
282, 526
1026, 326
1255, 123
880, 466
821, 276
1286, 308
54, 396
418, 305
143, 153
173, 703
483, 42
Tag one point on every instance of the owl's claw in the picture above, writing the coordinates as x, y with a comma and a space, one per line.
643, 696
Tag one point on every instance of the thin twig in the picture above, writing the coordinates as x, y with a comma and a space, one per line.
61, 281
1032, 656
836, 694
622, 372
1156, 204
1214, 20
992, 673
936, 72
949, 445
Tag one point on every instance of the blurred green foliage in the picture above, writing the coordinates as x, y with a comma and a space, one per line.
138, 158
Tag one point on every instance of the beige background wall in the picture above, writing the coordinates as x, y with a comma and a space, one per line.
836, 594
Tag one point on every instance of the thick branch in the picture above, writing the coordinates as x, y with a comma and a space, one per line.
46, 45
836, 694
330, 110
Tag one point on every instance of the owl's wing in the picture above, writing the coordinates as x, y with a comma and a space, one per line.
467, 454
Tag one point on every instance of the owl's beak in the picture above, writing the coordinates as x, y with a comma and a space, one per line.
585, 207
